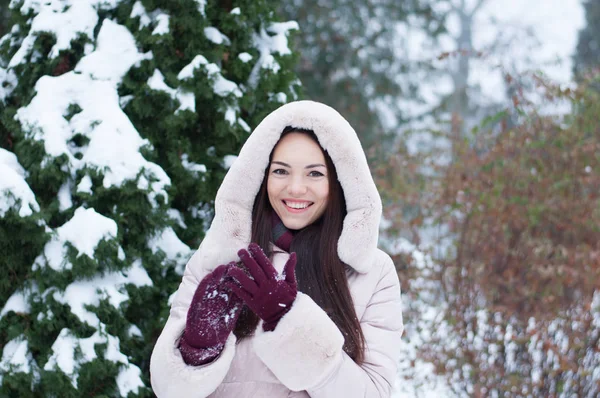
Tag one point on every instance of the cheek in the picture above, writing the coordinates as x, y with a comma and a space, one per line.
324, 192
272, 189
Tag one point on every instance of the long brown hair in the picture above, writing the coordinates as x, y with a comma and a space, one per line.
320, 272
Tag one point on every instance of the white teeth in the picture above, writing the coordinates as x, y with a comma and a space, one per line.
294, 205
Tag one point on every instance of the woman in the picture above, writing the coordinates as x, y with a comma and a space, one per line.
323, 321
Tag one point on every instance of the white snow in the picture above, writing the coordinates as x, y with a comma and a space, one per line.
64, 358
8, 82
245, 57
16, 357
124, 100
129, 379
13, 36
270, 40
188, 71
231, 115
17, 303
63, 354
83, 231
157, 17
279, 97
221, 85
213, 34
157, 82
175, 250
187, 100
244, 125
109, 286
194, 168
168, 241
116, 52
37, 5
139, 10
137, 275
134, 331
65, 200
162, 28
114, 143
85, 185
66, 19
201, 5
14, 190
10, 161
228, 161
176, 216
48, 315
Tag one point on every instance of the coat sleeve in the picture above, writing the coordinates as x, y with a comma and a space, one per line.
305, 349
169, 374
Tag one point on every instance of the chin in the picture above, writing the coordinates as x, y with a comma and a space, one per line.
295, 225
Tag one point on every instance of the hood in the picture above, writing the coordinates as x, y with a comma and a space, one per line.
231, 227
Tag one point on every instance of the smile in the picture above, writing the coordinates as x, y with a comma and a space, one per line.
296, 206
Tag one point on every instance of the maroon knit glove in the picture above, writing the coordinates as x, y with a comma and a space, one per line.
267, 293
212, 316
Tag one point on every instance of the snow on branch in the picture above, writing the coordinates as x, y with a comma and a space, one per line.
8, 82
13, 188
70, 352
16, 357
221, 86
271, 40
65, 20
213, 34
186, 99
84, 231
114, 143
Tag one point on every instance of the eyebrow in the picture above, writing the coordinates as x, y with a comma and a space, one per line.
310, 166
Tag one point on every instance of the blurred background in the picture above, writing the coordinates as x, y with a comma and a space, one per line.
479, 119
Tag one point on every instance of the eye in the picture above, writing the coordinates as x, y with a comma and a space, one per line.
279, 172
315, 173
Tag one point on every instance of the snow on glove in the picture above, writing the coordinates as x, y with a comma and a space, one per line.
212, 316
267, 293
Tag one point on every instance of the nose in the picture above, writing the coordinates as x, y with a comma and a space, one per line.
297, 186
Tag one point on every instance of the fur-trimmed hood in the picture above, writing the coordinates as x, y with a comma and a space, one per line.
231, 227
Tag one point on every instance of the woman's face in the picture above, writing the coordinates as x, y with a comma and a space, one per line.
297, 182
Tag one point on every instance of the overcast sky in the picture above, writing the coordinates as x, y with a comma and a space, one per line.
555, 23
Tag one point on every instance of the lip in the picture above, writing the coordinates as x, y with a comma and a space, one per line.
293, 210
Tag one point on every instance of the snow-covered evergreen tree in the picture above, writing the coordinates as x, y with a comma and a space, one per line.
119, 119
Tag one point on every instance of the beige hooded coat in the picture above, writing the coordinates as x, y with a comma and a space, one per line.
303, 356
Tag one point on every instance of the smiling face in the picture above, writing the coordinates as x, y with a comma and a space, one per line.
297, 184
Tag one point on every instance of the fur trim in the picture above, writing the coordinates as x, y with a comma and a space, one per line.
166, 358
301, 354
231, 227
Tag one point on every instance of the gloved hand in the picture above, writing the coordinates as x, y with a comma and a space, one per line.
212, 316
268, 294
